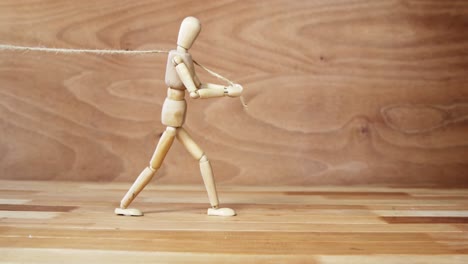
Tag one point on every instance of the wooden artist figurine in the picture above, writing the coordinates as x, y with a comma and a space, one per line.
180, 76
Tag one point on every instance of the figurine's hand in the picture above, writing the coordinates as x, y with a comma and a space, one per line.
235, 90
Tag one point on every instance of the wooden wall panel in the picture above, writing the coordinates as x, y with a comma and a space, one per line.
339, 92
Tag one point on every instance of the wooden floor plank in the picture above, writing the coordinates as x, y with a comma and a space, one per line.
40, 221
392, 259
425, 219
76, 256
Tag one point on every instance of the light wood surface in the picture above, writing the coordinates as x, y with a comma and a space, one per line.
339, 92
53, 222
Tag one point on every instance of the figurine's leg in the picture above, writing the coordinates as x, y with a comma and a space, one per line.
206, 172
147, 174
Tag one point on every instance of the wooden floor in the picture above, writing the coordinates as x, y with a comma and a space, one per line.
55, 222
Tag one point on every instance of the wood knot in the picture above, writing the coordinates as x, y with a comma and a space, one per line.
361, 128
413, 119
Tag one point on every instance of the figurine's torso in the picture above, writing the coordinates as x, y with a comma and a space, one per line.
175, 106
172, 78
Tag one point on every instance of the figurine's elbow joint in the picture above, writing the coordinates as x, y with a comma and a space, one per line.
194, 95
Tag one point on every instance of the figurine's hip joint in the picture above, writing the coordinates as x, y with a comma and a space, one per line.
173, 112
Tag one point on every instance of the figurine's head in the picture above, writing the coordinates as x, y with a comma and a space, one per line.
189, 30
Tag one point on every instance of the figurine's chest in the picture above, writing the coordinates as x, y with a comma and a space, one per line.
172, 78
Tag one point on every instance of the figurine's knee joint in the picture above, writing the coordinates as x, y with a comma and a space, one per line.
204, 158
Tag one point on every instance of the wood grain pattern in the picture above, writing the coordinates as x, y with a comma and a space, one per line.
74, 222
339, 92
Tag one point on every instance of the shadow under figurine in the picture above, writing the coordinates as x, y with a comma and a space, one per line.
180, 76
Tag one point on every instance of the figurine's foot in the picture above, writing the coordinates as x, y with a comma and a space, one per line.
221, 212
128, 211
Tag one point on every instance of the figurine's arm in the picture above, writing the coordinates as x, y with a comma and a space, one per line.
210, 90
185, 76
206, 90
